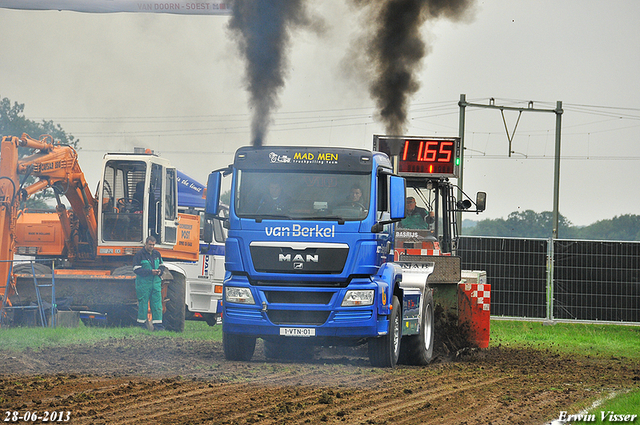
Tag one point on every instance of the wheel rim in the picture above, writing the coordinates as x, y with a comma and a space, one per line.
396, 336
426, 329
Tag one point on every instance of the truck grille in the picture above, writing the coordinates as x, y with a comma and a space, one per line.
291, 297
324, 259
292, 317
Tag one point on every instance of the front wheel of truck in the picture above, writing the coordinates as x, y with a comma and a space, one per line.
173, 316
418, 349
238, 347
385, 350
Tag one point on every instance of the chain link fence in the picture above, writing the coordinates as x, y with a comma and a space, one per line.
558, 279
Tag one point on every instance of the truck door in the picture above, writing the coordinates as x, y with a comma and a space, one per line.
170, 207
164, 207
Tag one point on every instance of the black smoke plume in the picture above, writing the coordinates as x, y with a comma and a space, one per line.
396, 49
262, 30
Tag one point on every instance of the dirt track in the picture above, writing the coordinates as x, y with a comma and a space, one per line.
174, 381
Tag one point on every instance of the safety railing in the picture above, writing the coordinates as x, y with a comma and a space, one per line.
12, 303
558, 279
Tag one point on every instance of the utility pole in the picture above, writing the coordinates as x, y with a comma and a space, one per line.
556, 173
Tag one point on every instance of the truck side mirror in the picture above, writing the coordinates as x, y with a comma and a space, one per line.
212, 204
397, 201
481, 201
208, 231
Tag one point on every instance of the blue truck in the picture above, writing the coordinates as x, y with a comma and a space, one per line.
315, 254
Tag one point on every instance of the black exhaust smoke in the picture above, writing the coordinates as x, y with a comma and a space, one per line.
396, 48
262, 30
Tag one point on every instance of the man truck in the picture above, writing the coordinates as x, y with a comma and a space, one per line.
307, 264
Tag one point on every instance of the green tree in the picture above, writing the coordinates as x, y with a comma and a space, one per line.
619, 228
529, 224
524, 224
14, 123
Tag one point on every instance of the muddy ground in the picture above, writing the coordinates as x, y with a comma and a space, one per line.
175, 381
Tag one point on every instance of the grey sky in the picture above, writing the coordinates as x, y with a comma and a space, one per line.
173, 83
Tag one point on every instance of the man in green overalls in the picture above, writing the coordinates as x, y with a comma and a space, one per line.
147, 265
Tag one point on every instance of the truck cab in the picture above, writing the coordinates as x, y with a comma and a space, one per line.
138, 199
301, 256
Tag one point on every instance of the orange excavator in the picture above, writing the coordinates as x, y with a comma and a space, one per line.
91, 245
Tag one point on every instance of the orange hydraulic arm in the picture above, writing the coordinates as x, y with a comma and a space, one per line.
9, 185
55, 166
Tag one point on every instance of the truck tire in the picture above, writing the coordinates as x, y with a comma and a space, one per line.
124, 271
385, 350
210, 318
25, 268
238, 347
418, 349
173, 317
121, 315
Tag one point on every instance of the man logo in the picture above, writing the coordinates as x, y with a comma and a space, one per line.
298, 266
298, 258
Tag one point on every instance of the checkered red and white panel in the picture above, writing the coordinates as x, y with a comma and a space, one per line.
479, 294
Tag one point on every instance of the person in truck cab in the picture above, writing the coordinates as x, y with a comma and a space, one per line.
275, 201
138, 197
354, 199
416, 217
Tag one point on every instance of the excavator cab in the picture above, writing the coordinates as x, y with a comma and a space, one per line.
137, 198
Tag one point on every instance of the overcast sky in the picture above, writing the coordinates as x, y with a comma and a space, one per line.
174, 83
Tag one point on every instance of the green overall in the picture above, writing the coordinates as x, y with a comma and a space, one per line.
415, 220
148, 286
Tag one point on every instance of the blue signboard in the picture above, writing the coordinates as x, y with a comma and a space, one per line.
191, 193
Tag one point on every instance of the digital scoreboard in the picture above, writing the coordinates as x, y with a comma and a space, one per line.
421, 156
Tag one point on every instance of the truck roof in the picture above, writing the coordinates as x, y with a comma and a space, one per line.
309, 158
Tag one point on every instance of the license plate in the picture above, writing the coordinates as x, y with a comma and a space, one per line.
304, 332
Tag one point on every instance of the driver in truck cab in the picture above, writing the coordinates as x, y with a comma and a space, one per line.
354, 199
416, 217
275, 201
356, 195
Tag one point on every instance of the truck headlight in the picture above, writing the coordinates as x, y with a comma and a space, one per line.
238, 295
357, 298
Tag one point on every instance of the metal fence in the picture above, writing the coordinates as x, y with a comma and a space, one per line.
558, 279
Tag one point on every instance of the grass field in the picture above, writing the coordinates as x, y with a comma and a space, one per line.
605, 341
583, 339
611, 342
36, 338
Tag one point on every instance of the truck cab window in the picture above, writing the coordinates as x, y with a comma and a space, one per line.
303, 195
122, 213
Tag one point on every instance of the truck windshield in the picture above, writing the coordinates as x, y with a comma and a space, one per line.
302, 195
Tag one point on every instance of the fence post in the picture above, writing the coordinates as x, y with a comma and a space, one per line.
550, 295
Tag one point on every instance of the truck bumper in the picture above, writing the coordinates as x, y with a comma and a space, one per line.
310, 312
254, 322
